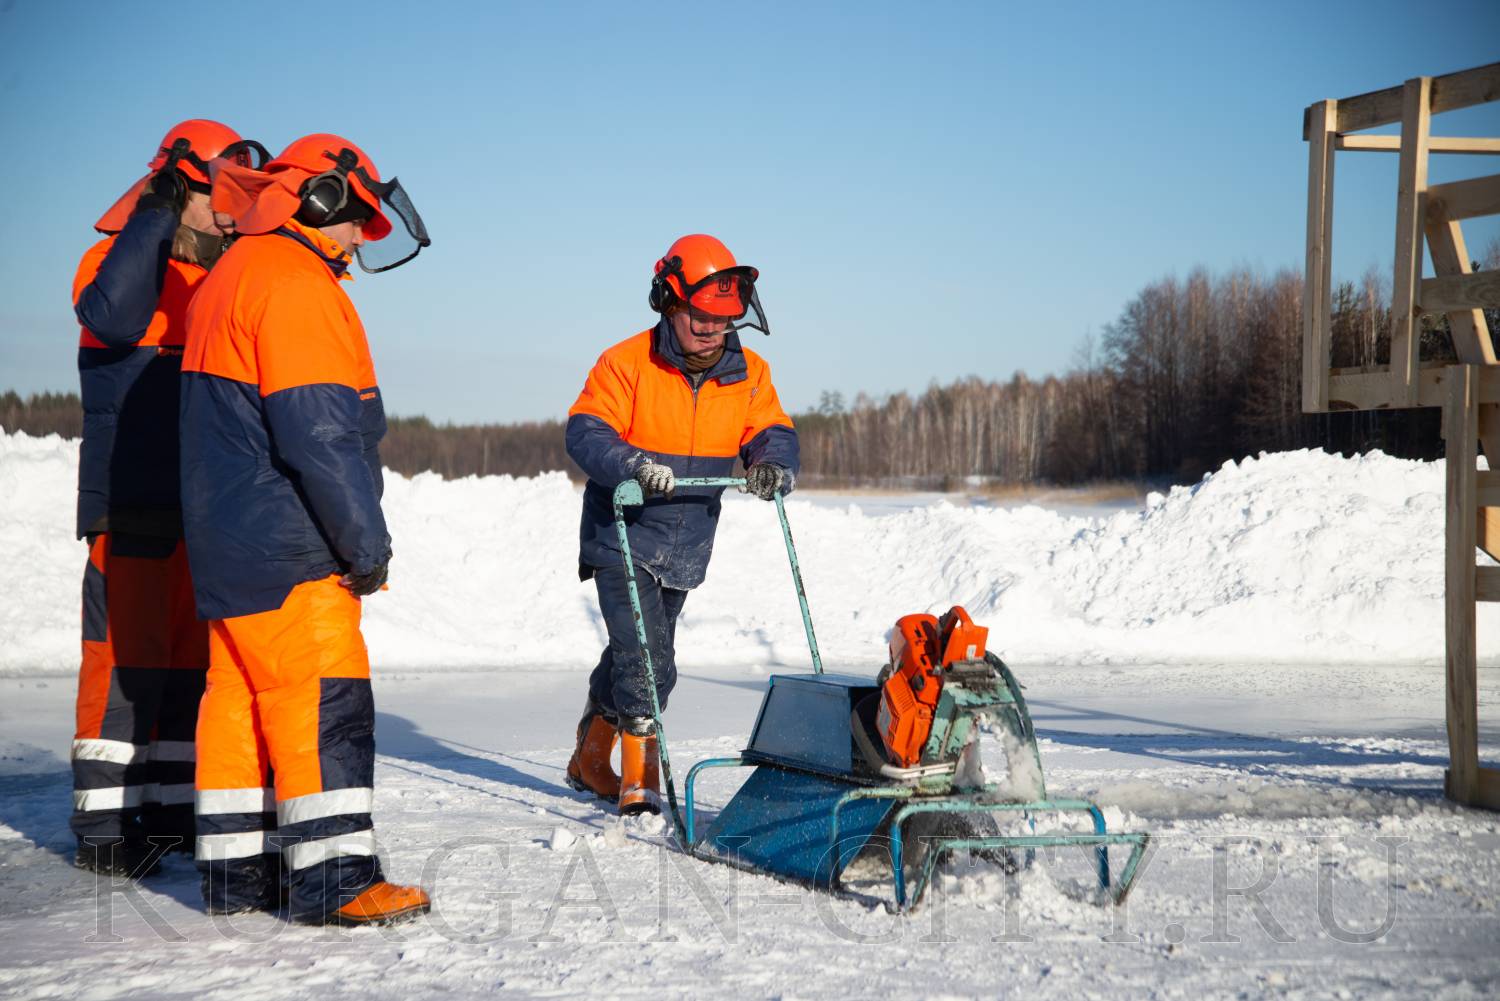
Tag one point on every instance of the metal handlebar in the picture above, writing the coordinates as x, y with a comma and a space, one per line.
629, 494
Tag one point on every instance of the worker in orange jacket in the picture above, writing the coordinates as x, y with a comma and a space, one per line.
281, 483
683, 399
144, 650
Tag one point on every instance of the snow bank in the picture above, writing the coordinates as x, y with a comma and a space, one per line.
1288, 557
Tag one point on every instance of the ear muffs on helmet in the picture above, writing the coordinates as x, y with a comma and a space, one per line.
322, 197
662, 296
326, 198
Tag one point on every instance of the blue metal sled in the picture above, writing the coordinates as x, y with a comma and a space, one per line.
820, 796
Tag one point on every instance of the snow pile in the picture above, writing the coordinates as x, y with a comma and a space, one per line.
1289, 557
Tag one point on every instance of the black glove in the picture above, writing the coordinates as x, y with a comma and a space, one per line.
764, 480
655, 478
167, 189
362, 584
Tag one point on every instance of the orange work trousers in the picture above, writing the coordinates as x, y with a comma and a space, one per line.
144, 657
286, 757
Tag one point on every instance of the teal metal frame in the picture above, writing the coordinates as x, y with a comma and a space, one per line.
989, 799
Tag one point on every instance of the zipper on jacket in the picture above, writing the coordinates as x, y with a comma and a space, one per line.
692, 451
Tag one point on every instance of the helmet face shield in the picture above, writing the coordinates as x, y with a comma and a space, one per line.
404, 241
726, 300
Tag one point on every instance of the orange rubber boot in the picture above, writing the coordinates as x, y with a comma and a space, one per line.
382, 904
640, 775
589, 769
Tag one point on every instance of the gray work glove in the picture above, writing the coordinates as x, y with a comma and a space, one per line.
764, 480
655, 478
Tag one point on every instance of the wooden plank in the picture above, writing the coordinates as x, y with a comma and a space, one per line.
1489, 789
1370, 389
1487, 583
1487, 795
1471, 332
1460, 293
1450, 92
1489, 444
1461, 423
1317, 294
1411, 184
1488, 495
1478, 196
1479, 146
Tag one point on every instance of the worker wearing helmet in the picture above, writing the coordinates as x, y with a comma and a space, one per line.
683, 399
144, 650
281, 484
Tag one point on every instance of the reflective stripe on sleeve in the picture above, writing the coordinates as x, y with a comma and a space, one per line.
236, 800
309, 853
316, 806
119, 752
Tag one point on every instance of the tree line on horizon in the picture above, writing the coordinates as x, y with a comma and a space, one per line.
1193, 372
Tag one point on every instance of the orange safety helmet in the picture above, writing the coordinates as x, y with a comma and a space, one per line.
206, 139
700, 274
337, 175
313, 181
189, 146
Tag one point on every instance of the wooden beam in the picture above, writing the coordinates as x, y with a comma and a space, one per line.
1449, 93
1471, 332
1412, 183
1488, 527
1489, 444
1369, 388
1461, 293
1487, 583
1488, 496
1372, 390
1478, 196
1487, 796
1461, 430
1436, 144
1317, 294
1489, 789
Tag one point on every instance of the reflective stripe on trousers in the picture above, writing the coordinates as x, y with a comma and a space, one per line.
288, 706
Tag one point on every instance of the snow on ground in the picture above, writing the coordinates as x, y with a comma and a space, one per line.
1301, 852
1288, 558
1247, 669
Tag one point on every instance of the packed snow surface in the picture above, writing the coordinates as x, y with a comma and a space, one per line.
1301, 844
1290, 557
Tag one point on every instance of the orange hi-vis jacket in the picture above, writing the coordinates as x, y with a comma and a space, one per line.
281, 423
639, 404
131, 300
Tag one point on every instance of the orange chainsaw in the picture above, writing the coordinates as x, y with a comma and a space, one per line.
925, 652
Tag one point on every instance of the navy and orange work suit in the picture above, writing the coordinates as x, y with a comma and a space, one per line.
144, 650
281, 486
640, 403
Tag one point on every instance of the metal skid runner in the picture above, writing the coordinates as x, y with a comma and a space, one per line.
821, 792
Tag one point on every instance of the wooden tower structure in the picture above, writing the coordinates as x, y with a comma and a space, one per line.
1468, 392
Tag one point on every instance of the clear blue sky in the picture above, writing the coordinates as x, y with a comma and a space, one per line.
929, 189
